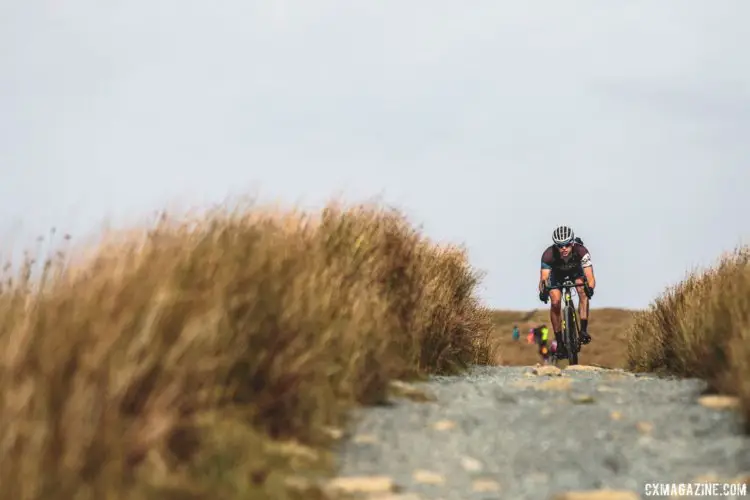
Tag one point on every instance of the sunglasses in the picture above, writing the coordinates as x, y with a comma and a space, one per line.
566, 245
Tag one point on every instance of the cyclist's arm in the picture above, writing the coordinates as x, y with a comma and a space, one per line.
588, 266
543, 276
589, 273
546, 269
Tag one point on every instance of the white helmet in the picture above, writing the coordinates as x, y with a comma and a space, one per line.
562, 236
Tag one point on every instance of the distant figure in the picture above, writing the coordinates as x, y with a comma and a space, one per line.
540, 336
516, 333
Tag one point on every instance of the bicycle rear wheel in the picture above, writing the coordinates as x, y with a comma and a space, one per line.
571, 335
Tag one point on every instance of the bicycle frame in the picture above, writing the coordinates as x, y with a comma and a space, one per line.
570, 324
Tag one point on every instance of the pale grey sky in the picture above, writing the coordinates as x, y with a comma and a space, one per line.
489, 122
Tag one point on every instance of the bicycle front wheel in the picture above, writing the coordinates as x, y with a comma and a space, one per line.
571, 336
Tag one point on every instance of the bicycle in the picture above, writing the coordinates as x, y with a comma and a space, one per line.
570, 325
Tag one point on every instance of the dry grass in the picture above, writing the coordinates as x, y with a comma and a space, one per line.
176, 361
699, 328
608, 326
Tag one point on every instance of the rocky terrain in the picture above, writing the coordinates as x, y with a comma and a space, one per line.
541, 432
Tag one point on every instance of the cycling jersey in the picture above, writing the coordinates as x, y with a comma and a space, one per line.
578, 258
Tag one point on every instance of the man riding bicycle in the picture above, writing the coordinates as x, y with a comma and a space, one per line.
567, 259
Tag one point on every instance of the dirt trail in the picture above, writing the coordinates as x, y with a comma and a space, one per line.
506, 432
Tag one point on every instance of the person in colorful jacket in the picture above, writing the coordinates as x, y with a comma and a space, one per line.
540, 336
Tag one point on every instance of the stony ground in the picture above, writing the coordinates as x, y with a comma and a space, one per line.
515, 433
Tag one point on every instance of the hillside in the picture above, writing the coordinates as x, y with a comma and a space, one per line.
252, 353
608, 327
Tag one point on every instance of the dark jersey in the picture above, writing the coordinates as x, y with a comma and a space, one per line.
578, 258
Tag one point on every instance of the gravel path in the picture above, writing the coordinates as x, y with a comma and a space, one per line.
498, 433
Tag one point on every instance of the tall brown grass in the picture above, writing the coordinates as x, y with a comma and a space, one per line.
176, 361
699, 328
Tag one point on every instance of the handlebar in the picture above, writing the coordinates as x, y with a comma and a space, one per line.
566, 284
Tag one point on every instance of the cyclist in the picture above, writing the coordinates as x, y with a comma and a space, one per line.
540, 335
567, 259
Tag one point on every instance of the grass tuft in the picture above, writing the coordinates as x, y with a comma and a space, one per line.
699, 328
209, 357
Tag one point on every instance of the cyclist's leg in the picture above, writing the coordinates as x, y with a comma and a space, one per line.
583, 310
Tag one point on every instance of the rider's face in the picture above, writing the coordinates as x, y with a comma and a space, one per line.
565, 250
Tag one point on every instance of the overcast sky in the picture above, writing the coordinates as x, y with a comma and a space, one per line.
489, 122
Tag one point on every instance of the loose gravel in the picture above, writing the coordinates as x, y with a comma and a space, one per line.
506, 432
